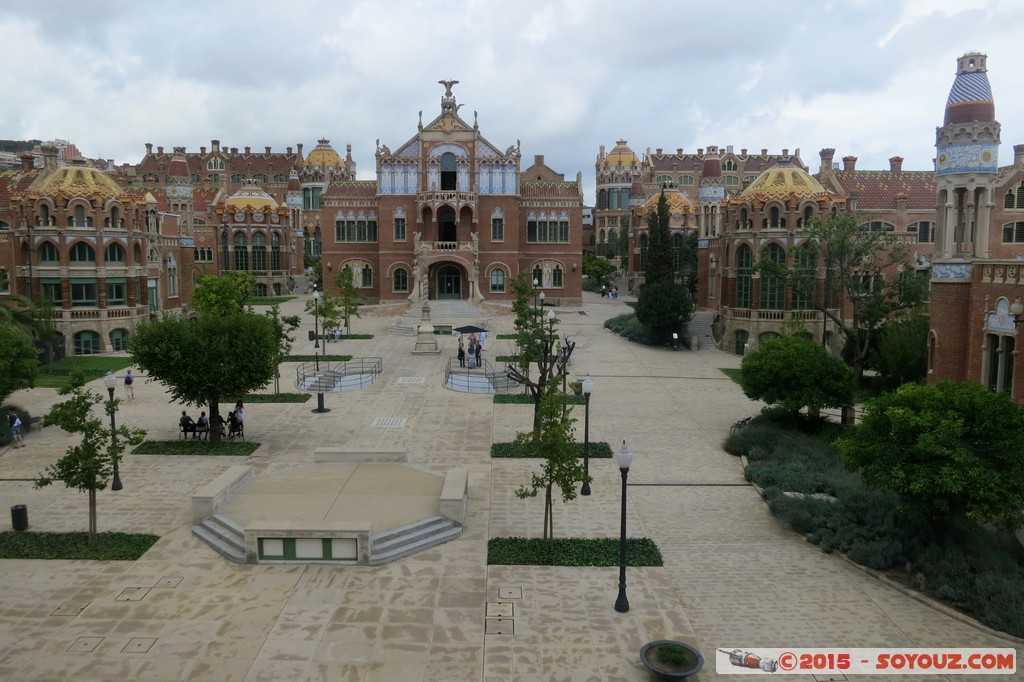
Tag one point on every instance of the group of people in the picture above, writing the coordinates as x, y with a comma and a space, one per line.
332, 334
198, 427
612, 293
475, 352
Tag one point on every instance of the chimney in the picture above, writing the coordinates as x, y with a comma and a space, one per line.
849, 164
1018, 154
234, 150
601, 153
348, 153
538, 159
743, 152
202, 150
159, 150
827, 155
901, 202
298, 146
785, 153
679, 151
764, 152
215, 144
179, 150
289, 150
700, 151
49, 157
895, 164
248, 150
658, 150
149, 148
27, 162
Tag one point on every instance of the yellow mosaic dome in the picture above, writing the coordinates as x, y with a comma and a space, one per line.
783, 182
323, 155
80, 181
679, 207
251, 196
621, 155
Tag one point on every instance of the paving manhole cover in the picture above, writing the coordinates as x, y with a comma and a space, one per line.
510, 593
581, 312
499, 626
69, 609
389, 422
173, 581
499, 609
411, 380
138, 645
132, 594
85, 644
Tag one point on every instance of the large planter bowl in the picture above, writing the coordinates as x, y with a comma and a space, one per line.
648, 656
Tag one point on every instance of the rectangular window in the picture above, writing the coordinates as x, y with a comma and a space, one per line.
172, 279
400, 230
51, 289
497, 229
84, 292
547, 232
355, 231
117, 291
1013, 233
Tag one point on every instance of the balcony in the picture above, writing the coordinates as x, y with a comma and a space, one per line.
447, 197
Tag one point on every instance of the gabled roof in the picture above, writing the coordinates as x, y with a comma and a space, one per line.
352, 189
14, 182
876, 189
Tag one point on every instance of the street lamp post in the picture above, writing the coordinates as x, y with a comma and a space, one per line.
623, 458
320, 409
588, 388
110, 381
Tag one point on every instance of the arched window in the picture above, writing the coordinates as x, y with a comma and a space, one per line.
79, 216
114, 253
237, 178
742, 336
137, 254
261, 289
197, 178
498, 281
119, 339
81, 252
558, 277
44, 215
744, 276
259, 251
773, 288
923, 230
773, 220
612, 249
538, 275
765, 337
677, 251
281, 177
448, 171
400, 280
744, 220
115, 217
241, 252
85, 343
367, 277
275, 251
48, 253
686, 180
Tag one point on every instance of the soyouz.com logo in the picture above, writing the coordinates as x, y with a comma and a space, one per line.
766, 661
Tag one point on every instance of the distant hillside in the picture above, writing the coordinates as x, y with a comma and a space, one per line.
15, 146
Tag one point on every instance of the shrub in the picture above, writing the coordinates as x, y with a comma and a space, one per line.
74, 546
196, 447
571, 552
598, 450
630, 328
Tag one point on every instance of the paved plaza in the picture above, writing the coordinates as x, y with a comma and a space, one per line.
734, 577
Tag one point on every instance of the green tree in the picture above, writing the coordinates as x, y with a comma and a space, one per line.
46, 325
597, 267
795, 372
555, 443
19, 361
663, 307
17, 311
207, 359
659, 266
536, 342
327, 308
866, 269
223, 294
901, 352
623, 242
282, 327
88, 465
688, 264
951, 451
349, 296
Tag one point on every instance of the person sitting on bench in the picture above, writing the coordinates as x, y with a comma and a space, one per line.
187, 425
234, 426
202, 426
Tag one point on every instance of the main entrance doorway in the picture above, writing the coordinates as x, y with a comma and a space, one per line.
449, 282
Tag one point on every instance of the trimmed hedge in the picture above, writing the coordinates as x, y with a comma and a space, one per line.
269, 300
322, 358
195, 447
273, 398
346, 336
527, 399
109, 546
628, 326
598, 450
571, 552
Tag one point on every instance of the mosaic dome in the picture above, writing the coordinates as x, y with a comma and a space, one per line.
323, 155
80, 181
783, 182
679, 207
621, 155
252, 196
970, 98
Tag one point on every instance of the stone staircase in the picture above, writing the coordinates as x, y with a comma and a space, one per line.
224, 535
446, 309
414, 537
699, 329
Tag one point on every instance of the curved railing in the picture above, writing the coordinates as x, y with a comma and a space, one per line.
335, 377
486, 379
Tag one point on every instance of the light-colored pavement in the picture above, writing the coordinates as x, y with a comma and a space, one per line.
733, 576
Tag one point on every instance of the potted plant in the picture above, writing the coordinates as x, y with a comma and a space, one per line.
671, 660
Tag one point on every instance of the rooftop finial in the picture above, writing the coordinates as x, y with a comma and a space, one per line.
448, 99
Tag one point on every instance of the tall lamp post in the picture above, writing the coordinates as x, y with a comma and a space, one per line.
588, 388
110, 381
320, 409
623, 458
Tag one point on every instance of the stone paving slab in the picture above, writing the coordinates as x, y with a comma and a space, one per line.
733, 577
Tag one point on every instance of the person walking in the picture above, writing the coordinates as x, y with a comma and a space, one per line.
462, 355
14, 422
480, 355
483, 340
129, 388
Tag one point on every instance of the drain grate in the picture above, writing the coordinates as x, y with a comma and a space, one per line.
510, 593
170, 581
132, 594
69, 609
85, 644
389, 422
581, 312
411, 380
139, 645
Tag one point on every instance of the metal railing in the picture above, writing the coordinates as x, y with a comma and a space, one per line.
486, 379
337, 377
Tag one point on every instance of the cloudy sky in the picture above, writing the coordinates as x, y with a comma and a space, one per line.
869, 78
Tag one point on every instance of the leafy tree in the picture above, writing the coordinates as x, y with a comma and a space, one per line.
536, 342
688, 263
863, 269
282, 327
88, 465
623, 245
19, 361
327, 308
597, 267
17, 311
223, 294
556, 444
209, 358
951, 451
349, 296
795, 372
663, 308
659, 266
901, 352
46, 325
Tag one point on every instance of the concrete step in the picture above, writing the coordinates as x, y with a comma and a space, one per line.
414, 537
445, 309
224, 536
402, 329
421, 544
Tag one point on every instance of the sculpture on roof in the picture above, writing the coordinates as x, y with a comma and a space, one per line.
448, 99
448, 87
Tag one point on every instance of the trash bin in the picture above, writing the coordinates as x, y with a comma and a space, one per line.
19, 517
312, 335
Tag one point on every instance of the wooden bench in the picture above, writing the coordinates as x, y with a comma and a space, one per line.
35, 420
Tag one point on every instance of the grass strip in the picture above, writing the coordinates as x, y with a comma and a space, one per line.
571, 552
322, 358
527, 399
273, 398
196, 447
108, 547
598, 450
